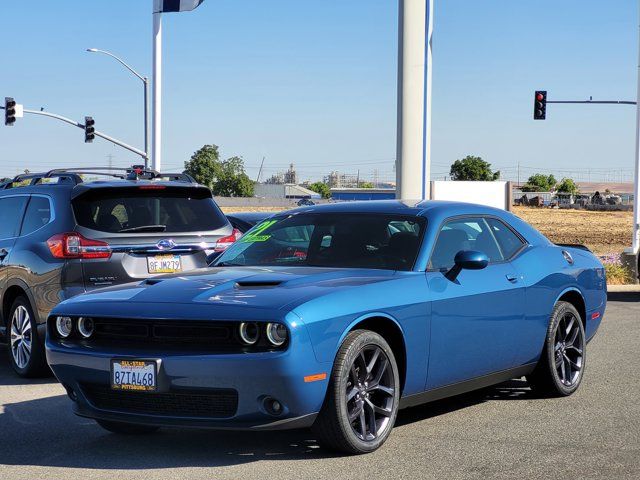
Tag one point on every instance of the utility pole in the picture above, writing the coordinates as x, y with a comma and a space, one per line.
260, 171
156, 94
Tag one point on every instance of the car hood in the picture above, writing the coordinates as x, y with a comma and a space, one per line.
272, 287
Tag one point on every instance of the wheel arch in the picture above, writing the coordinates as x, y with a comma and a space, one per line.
575, 298
14, 290
389, 329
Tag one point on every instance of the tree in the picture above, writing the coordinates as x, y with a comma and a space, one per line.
567, 185
321, 188
232, 180
539, 183
366, 185
204, 165
473, 168
225, 178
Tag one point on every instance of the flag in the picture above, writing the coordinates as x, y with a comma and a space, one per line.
179, 5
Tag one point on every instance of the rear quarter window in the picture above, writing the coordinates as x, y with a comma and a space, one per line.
139, 210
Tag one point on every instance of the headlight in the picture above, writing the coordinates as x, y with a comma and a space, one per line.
64, 326
249, 333
85, 327
276, 333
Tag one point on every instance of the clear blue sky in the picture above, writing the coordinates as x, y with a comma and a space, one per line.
313, 82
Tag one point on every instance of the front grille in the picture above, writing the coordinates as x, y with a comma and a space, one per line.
219, 403
166, 336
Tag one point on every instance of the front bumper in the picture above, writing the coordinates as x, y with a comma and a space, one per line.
254, 376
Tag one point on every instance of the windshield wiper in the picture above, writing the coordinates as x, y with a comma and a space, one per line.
228, 264
145, 228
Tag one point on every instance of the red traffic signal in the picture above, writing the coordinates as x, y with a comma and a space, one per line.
540, 105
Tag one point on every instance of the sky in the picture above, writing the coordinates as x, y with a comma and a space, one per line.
313, 83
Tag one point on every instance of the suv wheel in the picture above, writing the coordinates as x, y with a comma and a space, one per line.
26, 349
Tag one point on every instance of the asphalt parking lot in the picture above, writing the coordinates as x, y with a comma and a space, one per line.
502, 432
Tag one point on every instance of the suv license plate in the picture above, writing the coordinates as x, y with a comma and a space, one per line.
164, 264
133, 375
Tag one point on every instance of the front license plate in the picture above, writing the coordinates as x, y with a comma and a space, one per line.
133, 375
164, 264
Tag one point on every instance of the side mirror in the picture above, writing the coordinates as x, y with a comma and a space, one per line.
467, 260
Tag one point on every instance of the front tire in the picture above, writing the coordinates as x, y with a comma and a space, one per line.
362, 400
26, 349
122, 428
561, 365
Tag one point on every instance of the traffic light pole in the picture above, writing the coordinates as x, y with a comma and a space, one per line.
96, 133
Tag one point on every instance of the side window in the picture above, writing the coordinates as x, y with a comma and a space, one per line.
509, 242
463, 234
38, 214
11, 209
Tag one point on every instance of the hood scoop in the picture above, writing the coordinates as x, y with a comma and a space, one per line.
258, 283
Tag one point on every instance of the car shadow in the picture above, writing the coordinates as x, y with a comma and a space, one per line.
61, 439
9, 377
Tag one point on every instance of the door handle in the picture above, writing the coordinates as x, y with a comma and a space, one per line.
512, 277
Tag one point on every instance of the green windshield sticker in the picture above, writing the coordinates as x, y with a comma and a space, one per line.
256, 234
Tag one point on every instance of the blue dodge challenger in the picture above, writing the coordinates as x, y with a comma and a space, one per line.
334, 317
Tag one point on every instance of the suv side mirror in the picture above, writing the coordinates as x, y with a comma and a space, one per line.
467, 260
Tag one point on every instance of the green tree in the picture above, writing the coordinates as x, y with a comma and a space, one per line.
225, 178
567, 185
321, 188
540, 183
232, 180
473, 168
204, 165
366, 185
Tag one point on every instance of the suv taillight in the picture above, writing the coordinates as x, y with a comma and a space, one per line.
74, 245
225, 242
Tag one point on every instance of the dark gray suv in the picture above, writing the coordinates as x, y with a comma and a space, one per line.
62, 234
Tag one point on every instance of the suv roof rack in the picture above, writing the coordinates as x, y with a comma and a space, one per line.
73, 175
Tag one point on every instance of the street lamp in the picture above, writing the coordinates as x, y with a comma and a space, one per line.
145, 81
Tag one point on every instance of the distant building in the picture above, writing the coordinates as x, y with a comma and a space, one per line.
283, 190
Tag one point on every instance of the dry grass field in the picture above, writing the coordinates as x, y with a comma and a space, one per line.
602, 232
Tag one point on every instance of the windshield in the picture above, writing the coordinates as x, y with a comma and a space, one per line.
144, 210
346, 240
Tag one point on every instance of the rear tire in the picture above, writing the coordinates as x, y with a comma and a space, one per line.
26, 348
122, 428
561, 366
362, 400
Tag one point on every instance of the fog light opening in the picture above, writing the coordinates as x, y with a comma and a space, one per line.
273, 406
72, 395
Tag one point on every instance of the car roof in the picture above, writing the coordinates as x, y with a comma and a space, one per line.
407, 207
436, 210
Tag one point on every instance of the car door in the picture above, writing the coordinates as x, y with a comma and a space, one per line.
11, 211
474, 318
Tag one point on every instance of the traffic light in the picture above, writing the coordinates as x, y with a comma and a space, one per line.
540, 105
89, 129
9, 111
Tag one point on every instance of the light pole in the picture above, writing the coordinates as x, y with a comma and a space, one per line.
145, 81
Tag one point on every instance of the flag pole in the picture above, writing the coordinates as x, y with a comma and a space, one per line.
156, 155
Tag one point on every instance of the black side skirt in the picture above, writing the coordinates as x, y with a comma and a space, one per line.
466, 386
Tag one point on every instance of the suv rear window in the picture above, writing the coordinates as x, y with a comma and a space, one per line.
148, 209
